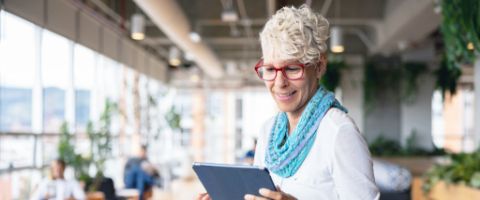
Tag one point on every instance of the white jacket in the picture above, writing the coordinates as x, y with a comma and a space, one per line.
338, 165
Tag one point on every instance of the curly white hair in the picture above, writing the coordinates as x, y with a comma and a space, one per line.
295, 33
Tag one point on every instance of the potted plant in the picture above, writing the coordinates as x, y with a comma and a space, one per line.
458, 177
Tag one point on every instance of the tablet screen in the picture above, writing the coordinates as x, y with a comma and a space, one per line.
224, 181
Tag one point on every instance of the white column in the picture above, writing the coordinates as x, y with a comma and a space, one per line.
477, 101
352, 90
70, 91
37, 89
417, 115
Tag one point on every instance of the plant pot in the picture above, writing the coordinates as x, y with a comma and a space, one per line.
444, 191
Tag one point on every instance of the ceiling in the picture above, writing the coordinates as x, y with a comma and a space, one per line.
370, 26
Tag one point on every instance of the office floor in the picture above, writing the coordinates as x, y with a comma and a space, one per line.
180, 189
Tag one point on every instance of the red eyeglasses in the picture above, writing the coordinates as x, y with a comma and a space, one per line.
269, 72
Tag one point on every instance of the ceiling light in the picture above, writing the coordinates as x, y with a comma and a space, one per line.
137, 26
336, 40
174, 56
229, 15
195, 37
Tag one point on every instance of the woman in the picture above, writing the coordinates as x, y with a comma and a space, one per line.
312, 147
57, 187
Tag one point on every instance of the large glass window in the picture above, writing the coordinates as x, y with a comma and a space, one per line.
109, 76
56, 61
17, 58
16, 151
84, 80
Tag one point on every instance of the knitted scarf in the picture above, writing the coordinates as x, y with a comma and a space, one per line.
284, 157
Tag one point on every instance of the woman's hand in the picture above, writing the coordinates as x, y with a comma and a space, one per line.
269, 194
203, 196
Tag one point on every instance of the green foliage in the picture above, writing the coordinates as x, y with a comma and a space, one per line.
385, 147
410, 72
447, 77
460, 25
173, 118
66, 152
100, 148
462, 168
66, 147
381, 74
101, 142
332, 77
390, 74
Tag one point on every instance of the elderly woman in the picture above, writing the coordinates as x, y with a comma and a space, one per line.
312, 147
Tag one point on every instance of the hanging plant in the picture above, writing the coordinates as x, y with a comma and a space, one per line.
332, 77
460, 28
447, 77
411, 71
380, 74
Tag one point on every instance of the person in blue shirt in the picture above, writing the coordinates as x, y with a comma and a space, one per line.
140, 174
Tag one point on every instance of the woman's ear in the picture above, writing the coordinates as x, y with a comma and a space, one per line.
322, 66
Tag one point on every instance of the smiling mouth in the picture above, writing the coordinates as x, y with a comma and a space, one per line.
285, 96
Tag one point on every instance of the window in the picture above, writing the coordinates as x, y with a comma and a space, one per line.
452, 120
55, 67
17, 73
16, 151
109, 75
84, 70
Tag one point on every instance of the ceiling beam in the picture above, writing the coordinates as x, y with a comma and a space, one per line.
262, 21
399, 27
212, 41
178, 30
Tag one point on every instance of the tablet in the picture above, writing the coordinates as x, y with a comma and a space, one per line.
224, 181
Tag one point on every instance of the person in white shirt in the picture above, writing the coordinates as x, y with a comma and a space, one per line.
312, 148
56, 187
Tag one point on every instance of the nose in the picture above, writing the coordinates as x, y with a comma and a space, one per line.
280, 80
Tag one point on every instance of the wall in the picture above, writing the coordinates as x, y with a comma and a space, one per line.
417, 115
352, 89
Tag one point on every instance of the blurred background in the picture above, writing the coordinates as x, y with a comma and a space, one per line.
91, 81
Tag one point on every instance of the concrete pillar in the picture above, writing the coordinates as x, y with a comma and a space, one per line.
352, 89
477, 101
416, 116
383, 119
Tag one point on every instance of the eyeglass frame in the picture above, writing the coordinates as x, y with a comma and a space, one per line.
282, 69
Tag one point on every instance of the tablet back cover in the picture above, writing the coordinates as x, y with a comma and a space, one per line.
224, 182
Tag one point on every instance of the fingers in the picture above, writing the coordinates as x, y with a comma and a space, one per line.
266, 193
270, 194
253, 197
203, 196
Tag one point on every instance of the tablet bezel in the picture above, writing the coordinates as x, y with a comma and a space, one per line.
246, 178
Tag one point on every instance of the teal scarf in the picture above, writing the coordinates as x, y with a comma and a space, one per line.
284, 157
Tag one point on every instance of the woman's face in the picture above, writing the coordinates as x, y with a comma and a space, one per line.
292, 96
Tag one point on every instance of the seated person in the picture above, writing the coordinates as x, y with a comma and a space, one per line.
248, 159
57, 187
140, 173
